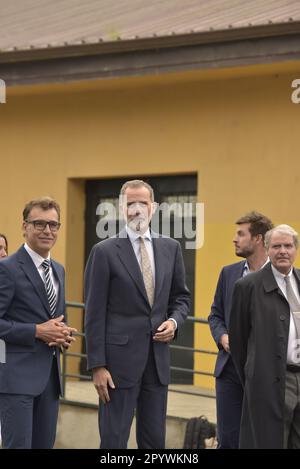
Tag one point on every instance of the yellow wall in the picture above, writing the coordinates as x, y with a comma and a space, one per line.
236, 128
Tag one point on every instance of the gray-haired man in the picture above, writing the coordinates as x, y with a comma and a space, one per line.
264, 335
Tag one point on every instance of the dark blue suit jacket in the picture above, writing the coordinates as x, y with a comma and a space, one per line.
220, 310
23, 304
119, 321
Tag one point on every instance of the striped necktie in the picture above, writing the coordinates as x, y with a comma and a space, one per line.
49, 287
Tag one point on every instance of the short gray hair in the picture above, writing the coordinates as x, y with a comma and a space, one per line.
282, 229
137, 183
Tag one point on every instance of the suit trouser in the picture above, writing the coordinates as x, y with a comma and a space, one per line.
30, 421
229, 394
149, 398
292, 411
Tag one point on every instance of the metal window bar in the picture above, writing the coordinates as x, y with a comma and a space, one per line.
77, 305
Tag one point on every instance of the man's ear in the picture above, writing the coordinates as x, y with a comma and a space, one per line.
259, 238
154, 207
123, 206
24, 228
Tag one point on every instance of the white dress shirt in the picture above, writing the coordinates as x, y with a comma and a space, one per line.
38, 260
279, 277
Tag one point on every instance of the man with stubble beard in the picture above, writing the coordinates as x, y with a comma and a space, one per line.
249, 244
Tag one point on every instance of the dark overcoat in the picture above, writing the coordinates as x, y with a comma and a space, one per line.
258, 337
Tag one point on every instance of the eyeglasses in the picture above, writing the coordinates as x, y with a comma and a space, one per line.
40, 225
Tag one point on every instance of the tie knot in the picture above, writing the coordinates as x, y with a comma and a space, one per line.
45, 264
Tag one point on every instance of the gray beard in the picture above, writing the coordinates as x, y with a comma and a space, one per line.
139, 227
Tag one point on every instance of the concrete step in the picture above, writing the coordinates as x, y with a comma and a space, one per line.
78, 429
78, 424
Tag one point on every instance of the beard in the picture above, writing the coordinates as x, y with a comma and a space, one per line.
140, 225
246, 252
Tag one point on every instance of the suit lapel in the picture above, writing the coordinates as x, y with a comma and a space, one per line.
240, 269
129, 260
296, 273
269, 281
33, 276
60, 286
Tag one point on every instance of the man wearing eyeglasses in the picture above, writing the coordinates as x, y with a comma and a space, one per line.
32, 324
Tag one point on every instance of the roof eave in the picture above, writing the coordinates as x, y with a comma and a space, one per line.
120, 45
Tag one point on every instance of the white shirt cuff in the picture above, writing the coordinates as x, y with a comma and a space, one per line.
175, 322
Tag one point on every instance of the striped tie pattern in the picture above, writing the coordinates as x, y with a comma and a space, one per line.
49, 287
147, 272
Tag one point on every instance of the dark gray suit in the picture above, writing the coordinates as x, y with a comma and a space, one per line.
31, 372
119, 328
228, 385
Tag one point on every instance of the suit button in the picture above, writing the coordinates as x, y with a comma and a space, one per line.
277, 379
282, 318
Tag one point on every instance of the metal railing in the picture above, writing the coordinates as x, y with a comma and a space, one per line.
66, 354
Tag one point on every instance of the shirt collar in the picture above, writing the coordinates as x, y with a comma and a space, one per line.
267, 262
246, 269
37, 259
278, 275
134, 235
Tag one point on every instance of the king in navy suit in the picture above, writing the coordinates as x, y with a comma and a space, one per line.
249, 244
136, 302
32, 325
